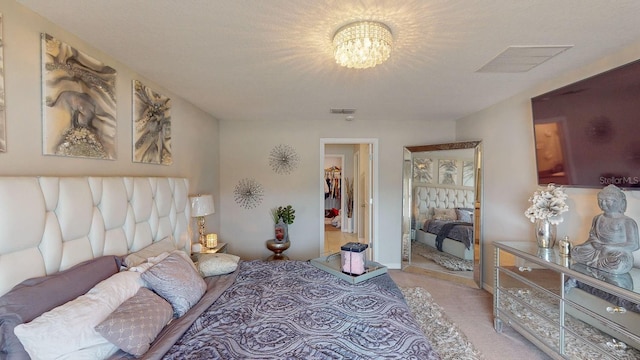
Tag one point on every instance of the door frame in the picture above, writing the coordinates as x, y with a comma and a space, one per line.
374, 218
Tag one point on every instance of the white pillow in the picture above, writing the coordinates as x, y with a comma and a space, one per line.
136, 258
100, 351
69, 328
217, 264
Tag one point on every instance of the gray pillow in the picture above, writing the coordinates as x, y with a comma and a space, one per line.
134, 325
217, 264
465, 215
177, 282
32, 297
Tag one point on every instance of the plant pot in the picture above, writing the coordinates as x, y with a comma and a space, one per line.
281, 232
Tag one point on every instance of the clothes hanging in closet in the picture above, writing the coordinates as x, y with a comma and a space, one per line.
333, 182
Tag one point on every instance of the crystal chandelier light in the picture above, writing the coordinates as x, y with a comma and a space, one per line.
362, 44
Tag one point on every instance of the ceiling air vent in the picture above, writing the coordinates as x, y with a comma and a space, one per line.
522, 58
342, 111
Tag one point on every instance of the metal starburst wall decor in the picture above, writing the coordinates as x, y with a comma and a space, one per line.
248, 193
283, 159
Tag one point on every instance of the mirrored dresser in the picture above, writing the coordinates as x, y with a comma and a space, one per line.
568, 310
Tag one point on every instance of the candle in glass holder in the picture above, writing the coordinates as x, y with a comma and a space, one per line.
212, 240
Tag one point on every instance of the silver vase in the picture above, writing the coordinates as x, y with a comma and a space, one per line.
545, 233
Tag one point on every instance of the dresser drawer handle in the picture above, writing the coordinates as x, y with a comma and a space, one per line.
616, 345
616, 310
524, 268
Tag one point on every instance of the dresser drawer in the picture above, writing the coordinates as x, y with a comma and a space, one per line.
524, 276
514, 271
531, 309
579, 347
615, 327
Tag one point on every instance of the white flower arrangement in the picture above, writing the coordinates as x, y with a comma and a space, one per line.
548, 204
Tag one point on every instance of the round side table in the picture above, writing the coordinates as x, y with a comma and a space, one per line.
278, 248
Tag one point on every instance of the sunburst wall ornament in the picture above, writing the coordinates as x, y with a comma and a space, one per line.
248, 193
283, 159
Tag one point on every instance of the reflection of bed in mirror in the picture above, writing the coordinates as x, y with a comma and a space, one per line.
446, 176
444, 219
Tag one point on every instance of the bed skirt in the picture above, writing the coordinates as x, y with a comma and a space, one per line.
449, 246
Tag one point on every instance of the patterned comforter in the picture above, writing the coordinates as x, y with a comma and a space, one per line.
454, 230
293, 310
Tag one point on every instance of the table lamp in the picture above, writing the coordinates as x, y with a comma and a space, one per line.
201, 206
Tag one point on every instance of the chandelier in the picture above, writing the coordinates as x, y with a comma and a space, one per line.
362, 44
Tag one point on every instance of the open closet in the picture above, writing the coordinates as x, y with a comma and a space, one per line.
333, 193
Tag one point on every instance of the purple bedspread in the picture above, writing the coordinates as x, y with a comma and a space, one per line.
293, 310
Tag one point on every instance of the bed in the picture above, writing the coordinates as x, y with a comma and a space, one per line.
444, 220
99, 267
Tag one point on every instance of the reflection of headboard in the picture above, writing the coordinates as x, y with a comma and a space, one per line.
427, 198
48, 224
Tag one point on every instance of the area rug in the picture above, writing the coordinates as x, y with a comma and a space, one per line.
445, 260
445, 336
540, 303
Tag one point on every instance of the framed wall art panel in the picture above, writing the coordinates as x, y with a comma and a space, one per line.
151, 126
448, 172
468, 173
423, 170
79, 105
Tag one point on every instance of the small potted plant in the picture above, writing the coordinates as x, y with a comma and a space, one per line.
283, 216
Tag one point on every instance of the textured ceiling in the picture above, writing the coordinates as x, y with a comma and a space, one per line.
271, 60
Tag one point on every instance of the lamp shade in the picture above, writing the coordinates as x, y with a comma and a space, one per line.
202, 205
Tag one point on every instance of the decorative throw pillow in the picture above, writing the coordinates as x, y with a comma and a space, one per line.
32, 297
217, 264
134, 325
465, 215
177, 282
186, 257
444, 214
136, 258
70, 326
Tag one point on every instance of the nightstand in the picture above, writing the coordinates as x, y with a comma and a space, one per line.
220, 248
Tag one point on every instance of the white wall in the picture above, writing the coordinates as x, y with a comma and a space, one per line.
510, 171
244, 151
194, 133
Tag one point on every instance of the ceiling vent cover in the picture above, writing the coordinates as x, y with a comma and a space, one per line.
522, 58
342, 111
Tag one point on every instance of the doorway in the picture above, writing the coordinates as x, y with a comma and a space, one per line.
358, 220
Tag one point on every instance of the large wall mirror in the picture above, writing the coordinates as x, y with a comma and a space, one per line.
441, 211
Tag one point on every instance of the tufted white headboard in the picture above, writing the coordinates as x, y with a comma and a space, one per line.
427, 198
48, 224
